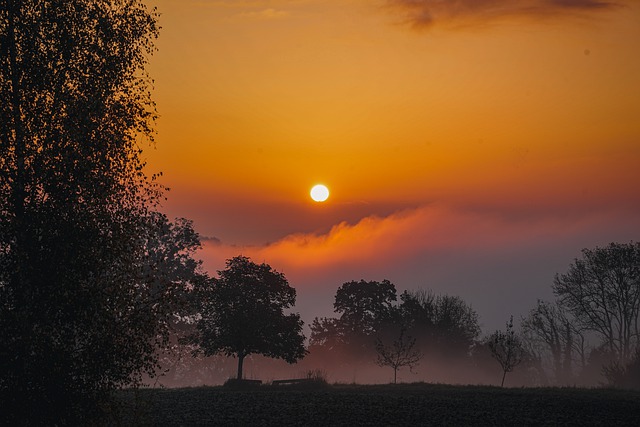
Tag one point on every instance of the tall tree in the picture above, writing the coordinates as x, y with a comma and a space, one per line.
242, 313
548, 325
506, 347
89, 273
602, 291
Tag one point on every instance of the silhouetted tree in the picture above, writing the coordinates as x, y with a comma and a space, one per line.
242, 313
548, 325
327, 332
402, 352
441, 323
602, 291
506, 348
363, 308
89, 273
364, 305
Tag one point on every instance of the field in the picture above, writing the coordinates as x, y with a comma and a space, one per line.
355, 405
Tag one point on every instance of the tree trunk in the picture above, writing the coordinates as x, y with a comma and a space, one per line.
504, 374
16, 110
395, 375
240, 363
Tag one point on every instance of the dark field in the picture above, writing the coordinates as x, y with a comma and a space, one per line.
406, 404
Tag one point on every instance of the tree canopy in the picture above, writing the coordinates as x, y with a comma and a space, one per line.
242, 312
370, 321
363, 305
602, 291
442, 323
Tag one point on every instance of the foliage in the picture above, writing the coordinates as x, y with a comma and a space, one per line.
242, 313
90, 275
364, 305
506, 348
328, 333
602, 291
443, 326
442, 323
399, 354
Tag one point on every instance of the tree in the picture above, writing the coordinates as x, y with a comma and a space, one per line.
602, 291
364, 305
399, 354
444, 323
363, 308
90, 274
550, 326
506, 348
242, 313
327, 332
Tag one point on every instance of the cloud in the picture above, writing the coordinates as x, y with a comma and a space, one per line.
426, 13
265, 14
500, 264
386, 241
212, 240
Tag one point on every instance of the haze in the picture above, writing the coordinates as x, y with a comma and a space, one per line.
473, 152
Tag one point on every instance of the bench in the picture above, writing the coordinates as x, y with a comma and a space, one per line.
292, 381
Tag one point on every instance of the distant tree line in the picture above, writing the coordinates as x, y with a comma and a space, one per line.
372, 324
589, 331
593, 325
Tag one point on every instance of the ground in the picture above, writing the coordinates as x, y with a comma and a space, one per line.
404, 404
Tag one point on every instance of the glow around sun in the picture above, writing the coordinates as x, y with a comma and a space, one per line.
319, 193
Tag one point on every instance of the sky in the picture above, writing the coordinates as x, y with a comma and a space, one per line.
471, 147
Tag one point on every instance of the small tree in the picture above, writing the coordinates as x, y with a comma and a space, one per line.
506, 348
242, 313
401, 353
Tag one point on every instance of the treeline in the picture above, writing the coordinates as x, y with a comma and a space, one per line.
100, 291
587, 336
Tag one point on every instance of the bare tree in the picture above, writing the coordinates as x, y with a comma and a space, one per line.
401, 353
602, 291
506, 347
549, 325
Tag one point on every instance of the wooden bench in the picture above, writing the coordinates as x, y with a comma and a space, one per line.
292, 381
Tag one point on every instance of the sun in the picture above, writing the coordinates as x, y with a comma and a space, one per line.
319, 193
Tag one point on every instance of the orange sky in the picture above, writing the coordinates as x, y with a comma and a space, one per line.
487, 142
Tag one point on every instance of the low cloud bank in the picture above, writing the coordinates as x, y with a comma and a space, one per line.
426, 13
498, 264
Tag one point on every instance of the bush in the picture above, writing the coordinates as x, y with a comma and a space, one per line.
624, 375
317, 375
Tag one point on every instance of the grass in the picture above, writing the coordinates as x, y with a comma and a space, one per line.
373, 405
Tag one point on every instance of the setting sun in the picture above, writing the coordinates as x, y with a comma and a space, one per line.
319, 193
